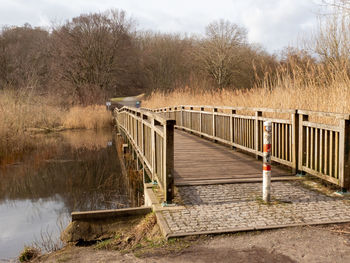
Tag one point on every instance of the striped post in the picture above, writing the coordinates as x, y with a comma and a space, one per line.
267, 162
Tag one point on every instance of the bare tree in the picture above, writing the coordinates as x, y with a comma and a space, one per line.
95, 56
23, 57
342, 5
219, 53
167, 60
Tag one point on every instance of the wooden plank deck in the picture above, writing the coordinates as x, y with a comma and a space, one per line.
199, 161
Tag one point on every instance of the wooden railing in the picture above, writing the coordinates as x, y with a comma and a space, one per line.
311, 147
324, 150
152, 137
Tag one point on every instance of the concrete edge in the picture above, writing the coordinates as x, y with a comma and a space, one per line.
244, 229
151, 200
164, 228
150, 197
112, 213
235, 181
160, 208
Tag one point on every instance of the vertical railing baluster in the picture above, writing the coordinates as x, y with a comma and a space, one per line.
336, 156
331, 154
320, 162
283, 141
307, 147
256, 135
316, 150
326, 152
290, 146
312, 148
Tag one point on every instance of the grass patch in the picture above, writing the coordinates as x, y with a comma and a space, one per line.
104, 244
273, 201
28, 254
144, 240
64, 258
318, 185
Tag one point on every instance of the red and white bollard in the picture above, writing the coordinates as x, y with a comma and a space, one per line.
267, 162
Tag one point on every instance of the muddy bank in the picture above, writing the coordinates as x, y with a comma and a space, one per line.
299, 244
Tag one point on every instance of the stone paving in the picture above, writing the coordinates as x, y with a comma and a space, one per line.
230, 207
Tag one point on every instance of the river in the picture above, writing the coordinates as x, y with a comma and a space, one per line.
67, 171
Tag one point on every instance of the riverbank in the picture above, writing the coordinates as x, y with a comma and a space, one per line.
299, 244
23, 114
67, 171
143, 241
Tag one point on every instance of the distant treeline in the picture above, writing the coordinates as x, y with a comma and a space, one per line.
100, 55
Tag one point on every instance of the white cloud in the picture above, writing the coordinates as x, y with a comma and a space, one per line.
273, 23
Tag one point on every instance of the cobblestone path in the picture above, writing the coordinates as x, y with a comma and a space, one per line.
230, 207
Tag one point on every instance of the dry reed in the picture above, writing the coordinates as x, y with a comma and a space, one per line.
90, 117
23, 112
318, 88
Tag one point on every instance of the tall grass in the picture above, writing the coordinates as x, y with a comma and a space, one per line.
22, 112
89, 117
318, 87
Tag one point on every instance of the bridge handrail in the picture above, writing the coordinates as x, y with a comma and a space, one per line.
306, 146
152, 138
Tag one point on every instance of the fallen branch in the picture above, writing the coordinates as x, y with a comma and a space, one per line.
340, 231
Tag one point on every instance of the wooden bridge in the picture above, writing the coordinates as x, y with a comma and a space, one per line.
317, 143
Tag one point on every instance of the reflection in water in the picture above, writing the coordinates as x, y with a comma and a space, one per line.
70, 171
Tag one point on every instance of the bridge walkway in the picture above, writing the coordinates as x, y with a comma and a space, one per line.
198, 161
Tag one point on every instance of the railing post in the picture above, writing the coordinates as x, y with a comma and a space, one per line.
175, 115
137, 131
142, 135
142, 147
214, 121
344, 154
153, 148
256, 132
182, 116
295, 142
200, 120
169, 160
302, 141
232, 128
191, 113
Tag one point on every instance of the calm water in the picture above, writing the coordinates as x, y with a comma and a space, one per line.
70, 171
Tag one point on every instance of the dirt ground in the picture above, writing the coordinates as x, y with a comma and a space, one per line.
300, 244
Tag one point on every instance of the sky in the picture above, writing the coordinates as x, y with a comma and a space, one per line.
274, 24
